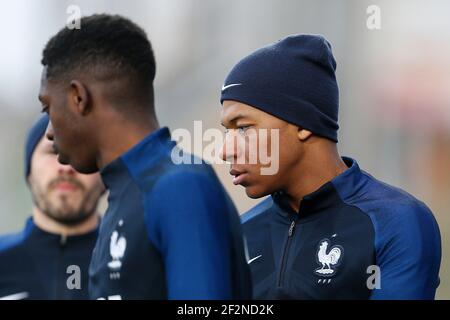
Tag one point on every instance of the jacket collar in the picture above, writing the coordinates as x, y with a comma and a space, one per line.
139, 158
321, 199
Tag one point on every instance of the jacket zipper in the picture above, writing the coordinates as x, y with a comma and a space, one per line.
58, 290
285, 253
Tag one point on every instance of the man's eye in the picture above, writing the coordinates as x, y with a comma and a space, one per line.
242, 129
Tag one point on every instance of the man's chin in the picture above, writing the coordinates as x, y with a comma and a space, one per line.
63, 159
255, 193
84, 169
68, 217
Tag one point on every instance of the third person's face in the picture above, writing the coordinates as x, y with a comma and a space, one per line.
58, 190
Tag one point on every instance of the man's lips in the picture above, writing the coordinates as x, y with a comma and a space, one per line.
238, 176
66, 186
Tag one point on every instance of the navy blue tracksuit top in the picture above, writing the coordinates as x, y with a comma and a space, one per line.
353, 238
170, 230
38, 265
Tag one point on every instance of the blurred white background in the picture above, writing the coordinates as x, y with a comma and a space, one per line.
394, 82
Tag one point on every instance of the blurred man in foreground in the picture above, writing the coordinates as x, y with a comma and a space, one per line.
170, 231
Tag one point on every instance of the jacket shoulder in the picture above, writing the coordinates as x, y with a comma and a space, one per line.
11, 240
258, 211
386, 204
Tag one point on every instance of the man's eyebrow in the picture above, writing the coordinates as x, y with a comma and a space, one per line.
234, 119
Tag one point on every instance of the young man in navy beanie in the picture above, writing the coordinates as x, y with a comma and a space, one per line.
328, 230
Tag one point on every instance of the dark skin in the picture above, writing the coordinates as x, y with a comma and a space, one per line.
306, 161
89, 130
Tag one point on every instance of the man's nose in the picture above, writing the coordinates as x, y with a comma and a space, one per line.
67, 170
49, 133
229, 150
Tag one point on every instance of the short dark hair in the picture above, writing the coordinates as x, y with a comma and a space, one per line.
107, 47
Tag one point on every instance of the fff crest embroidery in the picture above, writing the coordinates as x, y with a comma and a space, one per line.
117, 247
329, 258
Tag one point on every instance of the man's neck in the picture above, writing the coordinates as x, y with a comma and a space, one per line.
47, 224
320, 166
118, 136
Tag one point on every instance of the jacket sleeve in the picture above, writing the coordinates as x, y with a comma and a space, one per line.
186, 219
408, 253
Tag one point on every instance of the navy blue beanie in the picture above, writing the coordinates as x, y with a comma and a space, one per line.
35, 135
292, 79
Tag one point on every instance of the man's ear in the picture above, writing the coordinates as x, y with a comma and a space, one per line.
79, 95
303, 134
